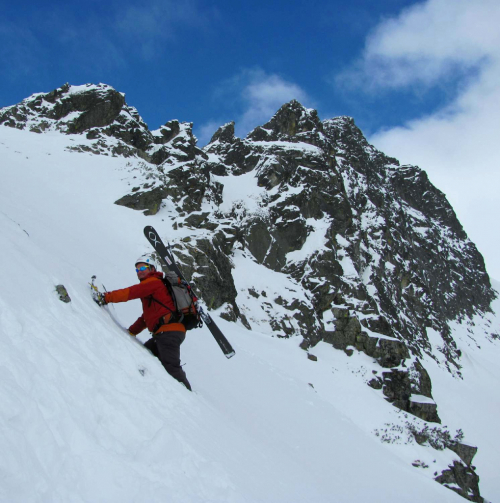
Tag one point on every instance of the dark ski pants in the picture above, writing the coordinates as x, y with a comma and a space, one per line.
166, 346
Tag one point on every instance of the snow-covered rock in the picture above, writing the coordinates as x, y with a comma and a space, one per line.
302, 231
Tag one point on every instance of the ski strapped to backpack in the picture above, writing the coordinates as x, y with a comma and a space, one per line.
167, 257
184, 299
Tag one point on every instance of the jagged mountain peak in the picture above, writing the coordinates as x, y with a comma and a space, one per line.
71, 109
344, 132
225, 134
288, 122
100, 114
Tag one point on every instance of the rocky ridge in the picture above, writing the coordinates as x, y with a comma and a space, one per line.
373, 255
100, 113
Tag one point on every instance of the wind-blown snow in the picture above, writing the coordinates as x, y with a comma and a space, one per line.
80, 423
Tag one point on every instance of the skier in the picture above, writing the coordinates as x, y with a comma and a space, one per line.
159, 316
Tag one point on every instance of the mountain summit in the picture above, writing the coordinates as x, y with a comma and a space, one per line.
304, 231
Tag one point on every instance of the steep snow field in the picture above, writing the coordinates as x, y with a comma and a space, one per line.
79, 422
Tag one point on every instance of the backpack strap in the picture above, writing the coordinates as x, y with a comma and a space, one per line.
174, 317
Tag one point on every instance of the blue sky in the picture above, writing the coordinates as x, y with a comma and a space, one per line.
193, 60
421, 78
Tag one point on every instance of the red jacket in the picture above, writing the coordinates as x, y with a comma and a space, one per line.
151, 286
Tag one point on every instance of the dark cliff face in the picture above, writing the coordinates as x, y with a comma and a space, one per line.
372, 254
396, 231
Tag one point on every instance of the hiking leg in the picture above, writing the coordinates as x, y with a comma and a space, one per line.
169, 349
151, 345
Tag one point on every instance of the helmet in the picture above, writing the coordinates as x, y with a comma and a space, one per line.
149, 259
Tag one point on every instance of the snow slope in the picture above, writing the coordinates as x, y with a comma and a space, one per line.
80, 423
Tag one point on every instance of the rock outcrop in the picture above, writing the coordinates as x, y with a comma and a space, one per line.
371, 255
100, 115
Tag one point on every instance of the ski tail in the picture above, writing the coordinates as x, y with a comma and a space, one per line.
221, 340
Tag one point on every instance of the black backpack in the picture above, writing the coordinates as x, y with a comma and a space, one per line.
185, 301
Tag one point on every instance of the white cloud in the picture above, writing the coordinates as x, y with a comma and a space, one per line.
457, 145
426, 43
256, 95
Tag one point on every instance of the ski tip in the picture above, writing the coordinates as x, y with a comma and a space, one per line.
151, 235
230, 355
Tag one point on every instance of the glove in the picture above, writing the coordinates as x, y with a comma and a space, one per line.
99, 298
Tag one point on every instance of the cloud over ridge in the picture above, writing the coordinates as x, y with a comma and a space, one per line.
427, 42
456, 144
